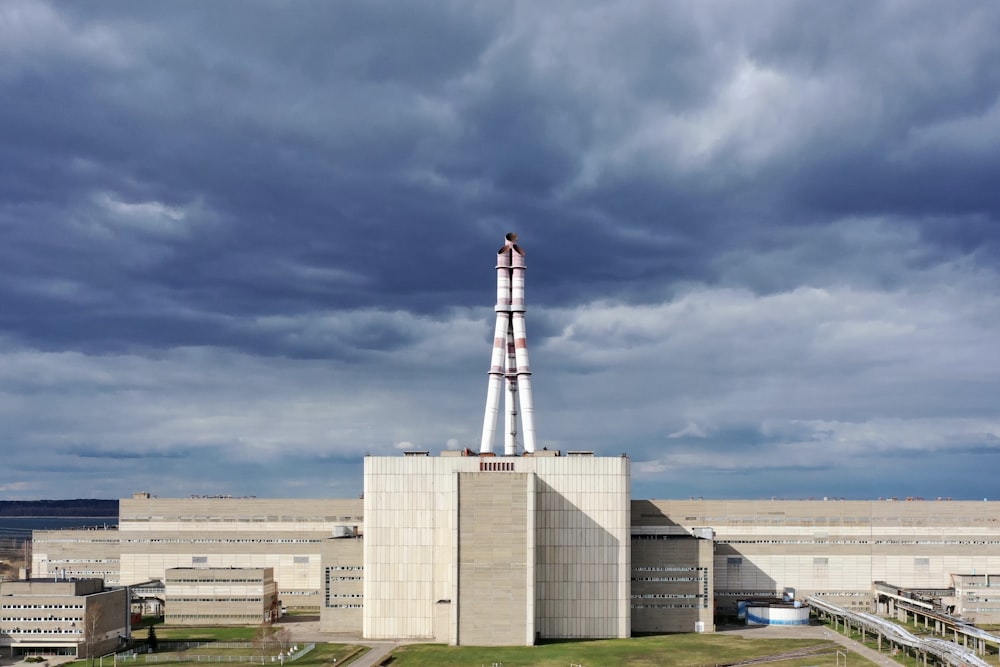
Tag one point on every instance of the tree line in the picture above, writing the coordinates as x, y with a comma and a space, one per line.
60, 508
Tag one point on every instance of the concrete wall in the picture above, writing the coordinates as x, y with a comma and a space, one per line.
410, 544
496, 559
583, 546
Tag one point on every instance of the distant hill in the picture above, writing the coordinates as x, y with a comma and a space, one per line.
68, 508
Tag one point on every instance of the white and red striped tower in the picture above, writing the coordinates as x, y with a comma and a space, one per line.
510, 356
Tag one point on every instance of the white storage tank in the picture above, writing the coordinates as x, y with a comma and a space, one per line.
777, 613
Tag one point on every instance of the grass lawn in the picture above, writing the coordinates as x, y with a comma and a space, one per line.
185, 634
322, 656
675, 650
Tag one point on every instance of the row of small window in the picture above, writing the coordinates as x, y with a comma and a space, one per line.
241, 540
667, 569
758, 593
344, 595
42, 606
973, 584
258, 580
63, 540
213, 599
815, 540
247, 519
249, 617
345, 567
666, 578
346, 578
820, 520
670, 606
345, 606
42, 631
81, 560
678, 596
48, 619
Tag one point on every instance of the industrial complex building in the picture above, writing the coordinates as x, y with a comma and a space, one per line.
503, 549
440, 541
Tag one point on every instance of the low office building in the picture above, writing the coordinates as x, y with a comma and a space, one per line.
977, 597
220, 596
78, 618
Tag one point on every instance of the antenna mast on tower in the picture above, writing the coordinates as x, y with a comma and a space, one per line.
510, 356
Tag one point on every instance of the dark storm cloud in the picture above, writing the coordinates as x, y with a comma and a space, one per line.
247, 228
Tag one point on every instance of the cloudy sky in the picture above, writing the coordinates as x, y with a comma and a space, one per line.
244, 243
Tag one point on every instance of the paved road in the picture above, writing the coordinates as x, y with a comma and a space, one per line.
307, 630
812, 632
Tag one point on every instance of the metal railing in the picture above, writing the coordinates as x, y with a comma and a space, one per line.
138, 657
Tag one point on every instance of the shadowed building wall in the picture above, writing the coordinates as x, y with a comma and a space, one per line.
834, 548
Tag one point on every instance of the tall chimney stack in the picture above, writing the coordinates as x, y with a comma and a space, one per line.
509, 363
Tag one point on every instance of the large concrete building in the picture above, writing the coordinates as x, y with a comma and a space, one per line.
441, 546
496, 550
835, 548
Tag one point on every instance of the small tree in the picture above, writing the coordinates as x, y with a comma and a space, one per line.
151, 640
92, 623
282, 640
263, 640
